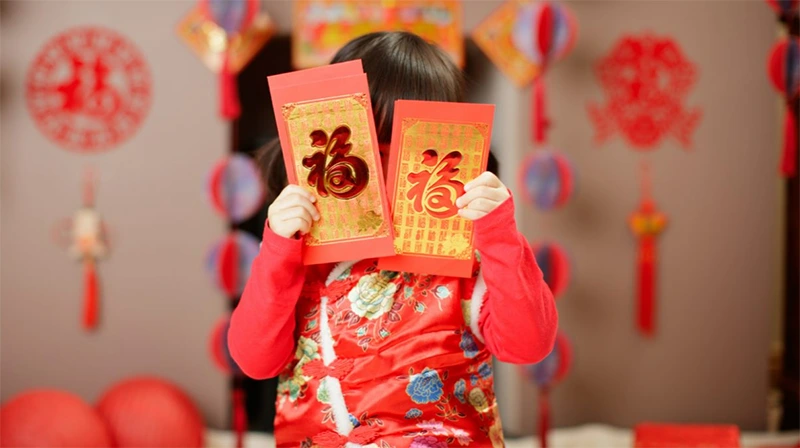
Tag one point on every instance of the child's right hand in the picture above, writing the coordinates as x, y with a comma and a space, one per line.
292, 211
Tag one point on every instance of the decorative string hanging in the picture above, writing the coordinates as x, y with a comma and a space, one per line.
647, 223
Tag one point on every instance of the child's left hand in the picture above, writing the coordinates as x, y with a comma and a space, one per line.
482, 195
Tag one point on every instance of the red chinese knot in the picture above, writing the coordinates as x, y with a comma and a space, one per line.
88, 89
646, 80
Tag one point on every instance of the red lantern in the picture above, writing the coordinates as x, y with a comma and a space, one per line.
148, 411
51, 419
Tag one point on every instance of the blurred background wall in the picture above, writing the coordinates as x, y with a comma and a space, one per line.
720, 263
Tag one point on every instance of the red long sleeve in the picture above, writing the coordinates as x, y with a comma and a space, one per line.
261, 336
519, 318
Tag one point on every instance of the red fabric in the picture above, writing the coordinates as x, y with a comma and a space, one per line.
229, 91
789, 157
90, 296
338, 369
647, 259
409, 356
361, 435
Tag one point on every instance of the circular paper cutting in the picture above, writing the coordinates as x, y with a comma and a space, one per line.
554, 367
554, 263
88, 89
230, 260
235, 188
218, 348
546, 180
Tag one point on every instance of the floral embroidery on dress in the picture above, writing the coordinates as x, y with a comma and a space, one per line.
468, 345
496, 434
433, 427
427, 442
460, 390
462, 436
294, 386
425, 387
373, 296
413, 413
477, 398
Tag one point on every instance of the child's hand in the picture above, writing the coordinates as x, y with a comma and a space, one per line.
483, 194
292, 211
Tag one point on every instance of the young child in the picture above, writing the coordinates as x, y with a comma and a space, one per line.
372, 358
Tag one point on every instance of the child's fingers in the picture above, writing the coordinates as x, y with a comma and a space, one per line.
471, 215
482, 191
299, 225
488, 179
296, 212
293, 200
296, 189
483, 205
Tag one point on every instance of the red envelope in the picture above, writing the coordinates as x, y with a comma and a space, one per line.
436, 149
330, 147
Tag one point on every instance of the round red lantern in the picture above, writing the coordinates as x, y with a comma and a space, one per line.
554, 263
51, 419
147, 411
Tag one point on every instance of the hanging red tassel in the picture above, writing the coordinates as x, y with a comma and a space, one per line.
789, 156
89, 296
539, 113
647, 273
544, 416
239, 416
229, 91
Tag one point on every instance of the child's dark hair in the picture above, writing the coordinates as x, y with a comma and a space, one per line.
399, 66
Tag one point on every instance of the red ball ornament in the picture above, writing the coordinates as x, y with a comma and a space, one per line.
51, 419
151, 412
218, 348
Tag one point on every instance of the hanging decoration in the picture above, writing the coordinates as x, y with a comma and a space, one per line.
235, 188
647, 223
784, 8
646, 80
88, 89
226, 35
321, 27
221, 356
783, 66
523, 38
545, 375
546, 179
554, 263
86, 239
229, 261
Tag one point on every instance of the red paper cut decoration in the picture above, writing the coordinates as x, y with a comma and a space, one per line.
783, 66
545, 374
88, 89
646, 81
647, 223
86, 238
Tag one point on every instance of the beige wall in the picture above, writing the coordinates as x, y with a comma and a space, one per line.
719, 260
719, 256
158, 306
